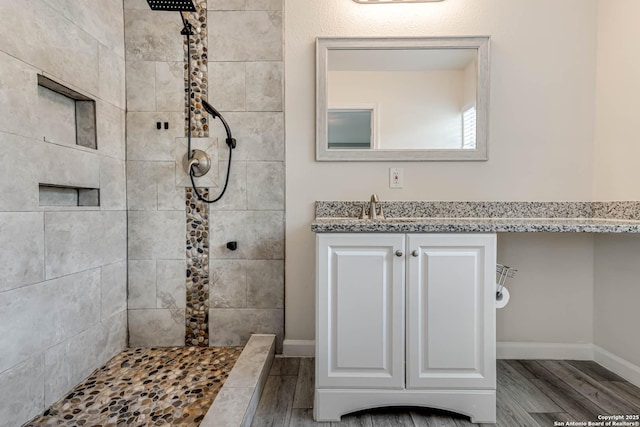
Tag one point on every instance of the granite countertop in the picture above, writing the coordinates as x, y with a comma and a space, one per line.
481, 217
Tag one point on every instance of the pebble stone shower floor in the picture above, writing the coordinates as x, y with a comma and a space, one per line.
146, 387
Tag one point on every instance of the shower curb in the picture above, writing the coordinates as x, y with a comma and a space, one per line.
237, 401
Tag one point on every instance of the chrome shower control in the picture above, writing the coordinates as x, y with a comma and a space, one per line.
200, 163
399, 253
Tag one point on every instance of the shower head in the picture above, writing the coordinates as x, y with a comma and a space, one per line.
231, 142
172, 5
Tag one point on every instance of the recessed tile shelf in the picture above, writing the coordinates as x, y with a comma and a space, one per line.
66, 116
64, 196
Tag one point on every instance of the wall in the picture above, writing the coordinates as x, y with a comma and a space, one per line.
62, 270
541, 134
413, 107
243, 290
616, 176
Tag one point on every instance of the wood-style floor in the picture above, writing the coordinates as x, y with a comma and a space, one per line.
531, 393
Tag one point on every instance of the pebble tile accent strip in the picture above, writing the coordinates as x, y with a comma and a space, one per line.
197, 280
199, 73
146, 387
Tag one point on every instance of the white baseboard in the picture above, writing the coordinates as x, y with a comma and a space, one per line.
299, 348
542, 350
617, 365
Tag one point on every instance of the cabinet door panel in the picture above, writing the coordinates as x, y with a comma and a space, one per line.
360, 322
450, 312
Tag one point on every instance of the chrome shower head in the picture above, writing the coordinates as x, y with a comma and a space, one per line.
172, 5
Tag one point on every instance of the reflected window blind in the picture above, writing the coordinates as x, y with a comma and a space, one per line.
469, 128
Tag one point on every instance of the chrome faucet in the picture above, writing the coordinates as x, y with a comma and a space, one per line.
373, 206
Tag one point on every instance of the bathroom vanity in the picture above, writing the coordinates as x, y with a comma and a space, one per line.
405, 306
406, 320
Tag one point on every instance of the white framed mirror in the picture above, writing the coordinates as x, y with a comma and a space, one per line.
402, 99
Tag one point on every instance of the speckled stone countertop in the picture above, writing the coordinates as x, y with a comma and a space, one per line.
481, 217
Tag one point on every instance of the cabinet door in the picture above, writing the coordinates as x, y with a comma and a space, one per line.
451, 311
360, 319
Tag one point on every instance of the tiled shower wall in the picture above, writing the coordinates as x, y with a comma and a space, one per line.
245, 288
62, 270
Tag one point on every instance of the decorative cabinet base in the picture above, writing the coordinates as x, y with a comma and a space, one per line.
480, 405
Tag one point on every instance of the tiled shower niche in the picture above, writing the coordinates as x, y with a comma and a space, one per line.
65, 116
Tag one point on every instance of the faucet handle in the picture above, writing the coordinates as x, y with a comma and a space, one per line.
380, 213
363, 212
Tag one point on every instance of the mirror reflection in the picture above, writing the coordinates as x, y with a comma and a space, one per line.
402, 99
411, 99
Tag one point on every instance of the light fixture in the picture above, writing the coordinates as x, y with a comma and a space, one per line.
393, 1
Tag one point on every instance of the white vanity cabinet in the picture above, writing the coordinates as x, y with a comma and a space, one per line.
405, 320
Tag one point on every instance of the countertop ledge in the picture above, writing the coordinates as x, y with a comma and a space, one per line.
475, 225
480, 217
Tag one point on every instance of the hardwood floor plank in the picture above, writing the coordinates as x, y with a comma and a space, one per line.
626, 391
391, 417
426, 418
548, 419
303, 397
561, 393
517, 365
274, 408
510, 413
594, 370
360, 419
304, 418
588, 387
528, 396
285, 366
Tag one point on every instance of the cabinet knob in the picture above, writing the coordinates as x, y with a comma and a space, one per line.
399, 253
415, 253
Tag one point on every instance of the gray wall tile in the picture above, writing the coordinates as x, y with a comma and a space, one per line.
136, 4
170, 196
19, 93
227, 86
264, 4
22, 391
21, 249
225, 4
265, 185
228, 283
141, 86
113, 289
231, 327
157, 235
112, 76
110, 122
142, 192
113, 186
170, 87
78, 241
50, 311
260, 136
146, 142
170, 279
51, 43
18, 172
265, 284
260, 234
152, 36
260, 40
235, 198
142, 284
158, 327
60, 165
264, 86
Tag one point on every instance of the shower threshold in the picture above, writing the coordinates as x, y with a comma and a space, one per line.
169, 386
